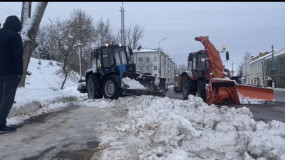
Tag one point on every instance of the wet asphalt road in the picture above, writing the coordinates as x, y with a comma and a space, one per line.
261, 112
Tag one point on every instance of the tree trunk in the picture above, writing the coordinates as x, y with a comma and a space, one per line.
32, 30
64, 71
26, 11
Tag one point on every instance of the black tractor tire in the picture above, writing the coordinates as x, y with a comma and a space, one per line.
93, 87
112, 87
201, 90
188, 87
175, 89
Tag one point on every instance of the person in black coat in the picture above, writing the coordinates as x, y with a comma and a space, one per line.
11, 67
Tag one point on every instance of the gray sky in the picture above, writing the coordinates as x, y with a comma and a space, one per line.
240, 26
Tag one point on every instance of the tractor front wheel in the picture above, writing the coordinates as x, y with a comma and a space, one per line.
188, 87
112, 87
93, 87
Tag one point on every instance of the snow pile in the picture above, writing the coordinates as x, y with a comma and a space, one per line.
131, 83
162, 128
146, 127
279, 89
42, 89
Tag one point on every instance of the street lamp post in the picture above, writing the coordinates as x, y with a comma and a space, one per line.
79, 45
160, 54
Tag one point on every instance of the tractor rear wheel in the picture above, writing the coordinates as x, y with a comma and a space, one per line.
201, 90
112, 87
188, 87
93, 87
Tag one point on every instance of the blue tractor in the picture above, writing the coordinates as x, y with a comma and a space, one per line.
110, 64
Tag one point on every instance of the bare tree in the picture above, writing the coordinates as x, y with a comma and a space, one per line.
134, 35
246, 58
62, 37
182, 68
103, 33
29, 33
26, 11
239, 70
85, 32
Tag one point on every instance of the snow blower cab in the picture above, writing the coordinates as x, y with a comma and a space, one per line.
113, 74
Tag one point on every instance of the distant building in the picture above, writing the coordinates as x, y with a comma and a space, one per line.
259, 71
155, 62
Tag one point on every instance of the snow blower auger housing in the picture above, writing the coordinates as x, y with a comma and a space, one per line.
112, 75
207, 77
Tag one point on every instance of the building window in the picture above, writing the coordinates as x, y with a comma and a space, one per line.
147, 59
155, 74
155, 59
140, 59
155, 68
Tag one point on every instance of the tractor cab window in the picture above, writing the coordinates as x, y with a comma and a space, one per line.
190, 62
129, 56
194, 62
201, 62
190, 65
120, 56
99, 60
107, 57
94, 63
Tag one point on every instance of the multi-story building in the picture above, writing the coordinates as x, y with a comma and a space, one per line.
155, 62
260, 71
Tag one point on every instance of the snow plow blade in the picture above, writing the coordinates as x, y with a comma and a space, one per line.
153, 85
222, 91
255, 93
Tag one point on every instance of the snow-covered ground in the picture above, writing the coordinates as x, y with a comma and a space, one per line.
152, 128
42, 92
279, 89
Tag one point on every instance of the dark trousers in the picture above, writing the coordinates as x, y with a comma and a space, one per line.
8, 87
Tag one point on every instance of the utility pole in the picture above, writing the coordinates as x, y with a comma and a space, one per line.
79, 47
273, 69
122, 25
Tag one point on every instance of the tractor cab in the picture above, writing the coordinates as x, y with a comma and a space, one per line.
112, 58
198, 64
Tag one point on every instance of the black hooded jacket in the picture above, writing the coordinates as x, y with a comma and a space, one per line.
11, 47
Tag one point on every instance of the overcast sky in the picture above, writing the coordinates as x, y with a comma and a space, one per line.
240, 26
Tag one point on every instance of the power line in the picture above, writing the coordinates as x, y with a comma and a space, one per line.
6, 10
9, 8
3, 14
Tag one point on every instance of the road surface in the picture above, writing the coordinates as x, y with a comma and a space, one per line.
65, 134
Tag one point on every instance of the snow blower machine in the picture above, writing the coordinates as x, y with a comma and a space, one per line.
207, 78
112, 75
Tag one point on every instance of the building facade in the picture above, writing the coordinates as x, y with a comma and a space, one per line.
155, 62
264, 69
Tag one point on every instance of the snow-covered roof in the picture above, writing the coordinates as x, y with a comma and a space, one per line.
145, 50
267, 55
